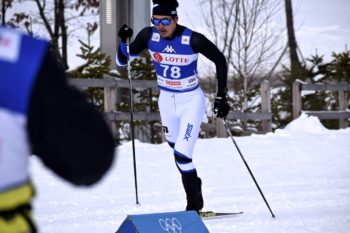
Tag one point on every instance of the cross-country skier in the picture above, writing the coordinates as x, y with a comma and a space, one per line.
174, 50
41, 114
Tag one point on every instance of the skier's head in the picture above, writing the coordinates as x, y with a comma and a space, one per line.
164, 16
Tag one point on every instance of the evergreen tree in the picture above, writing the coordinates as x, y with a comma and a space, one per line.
317, 71
145, 100
96, 66
341, 66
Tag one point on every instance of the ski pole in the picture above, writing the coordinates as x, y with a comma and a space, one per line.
132, 119
246, 164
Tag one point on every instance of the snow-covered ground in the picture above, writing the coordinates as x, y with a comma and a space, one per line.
303, 170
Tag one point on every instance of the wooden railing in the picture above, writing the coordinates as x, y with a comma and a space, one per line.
111, 87
343, 92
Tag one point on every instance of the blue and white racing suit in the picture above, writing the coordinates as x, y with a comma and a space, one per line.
181, 101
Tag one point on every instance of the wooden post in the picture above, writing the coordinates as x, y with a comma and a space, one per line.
265, 104
220, 128
296, 99
110, 104
343, 100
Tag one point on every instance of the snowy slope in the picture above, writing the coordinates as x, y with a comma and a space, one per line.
303, 170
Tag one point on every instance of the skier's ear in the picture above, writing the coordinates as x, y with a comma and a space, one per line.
176, 18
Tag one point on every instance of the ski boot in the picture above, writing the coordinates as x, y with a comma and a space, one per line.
193, 188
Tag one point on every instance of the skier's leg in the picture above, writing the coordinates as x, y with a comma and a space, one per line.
192, 112
170, 121
191, 182
192, 185
181, 116
190, 107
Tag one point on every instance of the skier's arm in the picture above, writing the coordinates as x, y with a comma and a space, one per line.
137, 46
69, 135
204, 46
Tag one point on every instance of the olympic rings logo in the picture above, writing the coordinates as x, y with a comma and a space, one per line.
170, 225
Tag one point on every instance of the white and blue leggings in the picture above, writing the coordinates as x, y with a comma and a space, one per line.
182, 114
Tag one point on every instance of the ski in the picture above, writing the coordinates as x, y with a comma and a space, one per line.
217, 215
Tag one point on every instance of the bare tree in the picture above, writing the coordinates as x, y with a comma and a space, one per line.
4, 5
251, 40
59, 18
292, 42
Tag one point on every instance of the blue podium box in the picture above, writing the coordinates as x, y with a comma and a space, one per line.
171, 222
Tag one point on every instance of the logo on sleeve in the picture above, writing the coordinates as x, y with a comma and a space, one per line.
155, 37
185, 40
9, 45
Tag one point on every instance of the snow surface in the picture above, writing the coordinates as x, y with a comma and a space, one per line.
303, 170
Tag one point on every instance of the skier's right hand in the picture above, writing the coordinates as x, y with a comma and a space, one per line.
221, 107
125, 32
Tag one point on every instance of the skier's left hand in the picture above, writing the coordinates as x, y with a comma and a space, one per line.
221, 107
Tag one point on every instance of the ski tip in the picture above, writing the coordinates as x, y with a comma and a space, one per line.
212, 214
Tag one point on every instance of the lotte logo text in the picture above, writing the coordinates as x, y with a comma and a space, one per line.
170, 59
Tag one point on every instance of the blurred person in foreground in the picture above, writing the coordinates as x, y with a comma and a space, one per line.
41, 114
174, 50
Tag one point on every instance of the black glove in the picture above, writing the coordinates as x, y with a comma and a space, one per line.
221, 107
125, 32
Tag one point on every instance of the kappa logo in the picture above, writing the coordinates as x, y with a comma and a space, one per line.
170, 225
169, 49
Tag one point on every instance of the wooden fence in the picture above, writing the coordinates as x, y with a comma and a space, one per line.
343, 100
111, 87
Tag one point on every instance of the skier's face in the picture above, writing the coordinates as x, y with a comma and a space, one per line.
165, 24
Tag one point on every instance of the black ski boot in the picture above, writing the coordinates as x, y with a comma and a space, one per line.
200, 196
192, 185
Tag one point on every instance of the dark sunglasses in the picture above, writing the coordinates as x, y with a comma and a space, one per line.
165, 22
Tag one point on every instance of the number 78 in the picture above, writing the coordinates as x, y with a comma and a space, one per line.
175, 71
